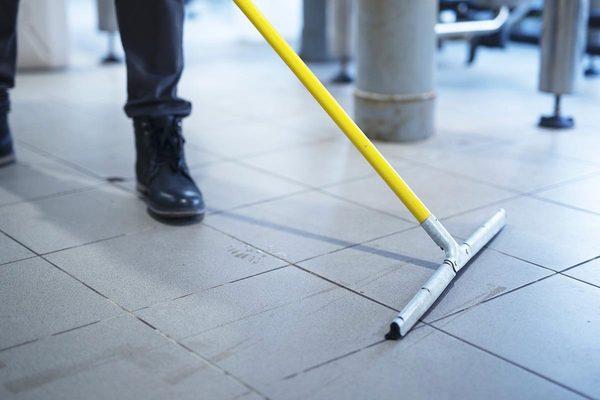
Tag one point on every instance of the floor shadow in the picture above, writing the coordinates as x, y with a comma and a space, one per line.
331, 240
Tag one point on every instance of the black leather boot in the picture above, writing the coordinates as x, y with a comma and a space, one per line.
162, 173
7, 154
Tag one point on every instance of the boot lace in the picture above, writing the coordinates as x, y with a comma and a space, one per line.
170, 149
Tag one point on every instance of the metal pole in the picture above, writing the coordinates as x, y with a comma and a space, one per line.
562, 46
395, 92
107, 22
342, 37
593, 39
314, 46
469, 29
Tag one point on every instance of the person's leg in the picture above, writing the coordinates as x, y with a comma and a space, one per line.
152, 35
8, 56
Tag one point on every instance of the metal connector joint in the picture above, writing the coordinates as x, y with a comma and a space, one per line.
455, 254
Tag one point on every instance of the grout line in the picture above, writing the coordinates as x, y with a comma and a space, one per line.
387, 213
566, 205
512, 362
524, 260
79, 327
580, 280
259, 202
564, 183
505, 188
80, 281
358, 244
339, 285
203, 290
19, 242
313, 257
193, 353
322, 364
89, 243
60, 160
553, 274
82, 189
478, 208
18, 260
130, 313
244, 163
579, 264
458, 174
14, 346
246, 156
454, 313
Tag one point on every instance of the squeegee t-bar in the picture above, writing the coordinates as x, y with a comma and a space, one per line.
456, 255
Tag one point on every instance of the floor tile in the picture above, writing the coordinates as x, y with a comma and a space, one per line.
424, 365
305, 225
448, 140
107, 83
39, 300
157, 265
46, 118
584, 194
230, 303
588, 272
445, 194
315, 165
11, 250
577, 144
119, 358
70, 220
546, 234
311, 125
522, 171
393, 269
272, 325
550, 327
37, 176
257, 100
241, 138
71, 137
228, 185
250, 396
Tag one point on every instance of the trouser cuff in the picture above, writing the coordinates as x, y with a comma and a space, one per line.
180, 108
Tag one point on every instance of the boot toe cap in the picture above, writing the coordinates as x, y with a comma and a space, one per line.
183, 203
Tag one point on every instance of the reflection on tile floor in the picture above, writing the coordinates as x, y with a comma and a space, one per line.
286, 289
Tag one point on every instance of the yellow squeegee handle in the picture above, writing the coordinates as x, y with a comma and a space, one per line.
335, 111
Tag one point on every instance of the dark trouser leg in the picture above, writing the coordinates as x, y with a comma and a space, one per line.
152, 36
8, 49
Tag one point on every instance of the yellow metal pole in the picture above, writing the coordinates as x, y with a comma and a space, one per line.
335, 111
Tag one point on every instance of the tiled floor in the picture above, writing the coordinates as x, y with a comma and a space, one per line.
286, 289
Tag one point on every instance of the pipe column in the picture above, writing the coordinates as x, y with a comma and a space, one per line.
314, 46
562, 47
395, 90
342, 43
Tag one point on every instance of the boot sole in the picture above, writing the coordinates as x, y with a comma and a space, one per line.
168, 214
6, 160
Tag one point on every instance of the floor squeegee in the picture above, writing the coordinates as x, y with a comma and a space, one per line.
456, 255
